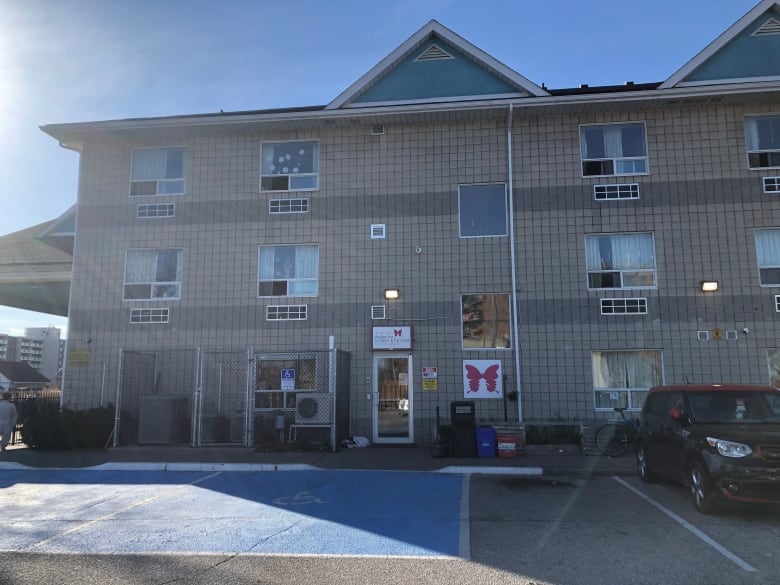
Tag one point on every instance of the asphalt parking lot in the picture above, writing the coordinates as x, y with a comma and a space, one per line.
511, 529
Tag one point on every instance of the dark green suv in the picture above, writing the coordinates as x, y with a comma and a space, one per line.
722, 440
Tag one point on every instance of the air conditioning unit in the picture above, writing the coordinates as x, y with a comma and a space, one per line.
313, 408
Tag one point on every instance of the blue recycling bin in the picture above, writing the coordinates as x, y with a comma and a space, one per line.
486, 442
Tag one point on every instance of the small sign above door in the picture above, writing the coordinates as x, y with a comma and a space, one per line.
399, 337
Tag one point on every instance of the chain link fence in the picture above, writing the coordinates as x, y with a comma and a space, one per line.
232, 396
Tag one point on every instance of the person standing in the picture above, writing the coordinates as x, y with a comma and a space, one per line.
8, 416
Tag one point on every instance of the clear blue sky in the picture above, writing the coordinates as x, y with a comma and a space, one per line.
84, 60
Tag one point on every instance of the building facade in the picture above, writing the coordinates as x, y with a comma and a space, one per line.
40, 347
460, 231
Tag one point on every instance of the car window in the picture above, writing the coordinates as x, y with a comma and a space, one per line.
739, 406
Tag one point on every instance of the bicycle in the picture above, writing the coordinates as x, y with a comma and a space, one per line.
614, 437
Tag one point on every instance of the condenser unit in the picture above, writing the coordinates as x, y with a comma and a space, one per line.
313, 409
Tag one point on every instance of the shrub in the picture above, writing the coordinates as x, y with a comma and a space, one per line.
46, 426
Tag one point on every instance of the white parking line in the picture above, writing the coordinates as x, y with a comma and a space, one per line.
687, 525
464, 547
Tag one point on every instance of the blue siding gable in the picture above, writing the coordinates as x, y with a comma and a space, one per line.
743, 57
412, 80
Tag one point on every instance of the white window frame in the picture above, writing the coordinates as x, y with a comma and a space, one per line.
764, 264
752, 147
277, 281
617, 159
160, 180
622, 272
616, 192
630, 397
290, 174
154, 283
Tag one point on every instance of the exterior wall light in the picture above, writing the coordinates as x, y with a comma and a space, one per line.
709, 285
391, 294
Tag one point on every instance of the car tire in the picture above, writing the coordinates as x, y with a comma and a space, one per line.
703, 494
646, 474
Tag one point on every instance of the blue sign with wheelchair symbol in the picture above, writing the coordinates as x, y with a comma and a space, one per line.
288, 379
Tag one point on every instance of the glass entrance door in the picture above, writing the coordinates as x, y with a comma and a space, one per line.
393, 412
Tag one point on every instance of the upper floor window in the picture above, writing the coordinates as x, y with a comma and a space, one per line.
613, 149
152, 274
485, 321
157, 171
620, 261
289, 166
287, 271
482, 210
768, 255
762, 136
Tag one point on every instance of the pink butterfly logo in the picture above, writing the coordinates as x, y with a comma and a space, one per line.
490, 375
397, 332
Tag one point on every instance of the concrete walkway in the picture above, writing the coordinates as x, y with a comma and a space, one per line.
537, 460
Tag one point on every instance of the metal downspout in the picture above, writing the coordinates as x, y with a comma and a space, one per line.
515, 326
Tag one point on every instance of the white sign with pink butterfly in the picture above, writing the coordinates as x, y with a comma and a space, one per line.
482, 379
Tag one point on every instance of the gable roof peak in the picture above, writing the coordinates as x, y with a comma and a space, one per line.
433, 28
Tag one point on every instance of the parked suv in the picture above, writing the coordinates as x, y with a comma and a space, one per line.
722, 440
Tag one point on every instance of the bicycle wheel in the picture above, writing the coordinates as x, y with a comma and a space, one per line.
612, 440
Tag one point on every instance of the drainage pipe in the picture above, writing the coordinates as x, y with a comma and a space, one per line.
515, 328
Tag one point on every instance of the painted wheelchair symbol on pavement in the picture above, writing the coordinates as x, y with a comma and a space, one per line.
299, 499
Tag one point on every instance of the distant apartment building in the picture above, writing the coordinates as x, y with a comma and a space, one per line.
40, 347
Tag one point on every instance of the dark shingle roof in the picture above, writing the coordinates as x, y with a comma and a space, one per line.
22, 373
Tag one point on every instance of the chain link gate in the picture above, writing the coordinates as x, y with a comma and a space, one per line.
154, 397
222, 398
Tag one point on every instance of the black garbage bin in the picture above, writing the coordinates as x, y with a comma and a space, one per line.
463, 442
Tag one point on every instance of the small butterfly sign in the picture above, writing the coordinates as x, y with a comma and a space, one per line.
482, 379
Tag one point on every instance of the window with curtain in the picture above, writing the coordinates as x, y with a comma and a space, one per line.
620, 261
157, 171
152, 274
613, 149
485, 321
768, 256
289, 166
482, 210
288, 271
762, 136
621, 379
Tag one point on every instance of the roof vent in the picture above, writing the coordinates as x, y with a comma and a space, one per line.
770, 27
434, 53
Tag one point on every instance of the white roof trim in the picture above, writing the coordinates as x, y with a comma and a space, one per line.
729, 81
433, 27
459, 98
718, 43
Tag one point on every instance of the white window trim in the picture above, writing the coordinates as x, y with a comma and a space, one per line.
748, 152
307, 189
773, 181
152, 298
183, 179
759, 267
631, 188
628, 390
646, 158
654, 286
288, 280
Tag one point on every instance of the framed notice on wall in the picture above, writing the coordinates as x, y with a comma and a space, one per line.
399, 337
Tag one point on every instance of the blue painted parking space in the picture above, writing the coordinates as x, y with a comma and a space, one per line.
292, 512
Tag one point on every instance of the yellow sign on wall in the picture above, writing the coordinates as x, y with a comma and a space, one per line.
430, 379
79, 358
